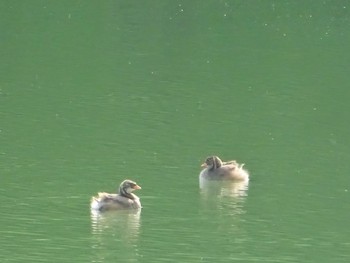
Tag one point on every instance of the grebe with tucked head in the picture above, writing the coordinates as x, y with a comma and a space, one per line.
215, 169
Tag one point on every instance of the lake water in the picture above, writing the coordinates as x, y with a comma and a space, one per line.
95, 92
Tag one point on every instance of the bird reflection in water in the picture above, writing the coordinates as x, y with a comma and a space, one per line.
115, 235
224, 194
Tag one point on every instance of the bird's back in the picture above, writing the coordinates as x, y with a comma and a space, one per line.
106, 201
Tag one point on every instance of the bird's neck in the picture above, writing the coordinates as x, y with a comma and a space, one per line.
216, 164
124, 193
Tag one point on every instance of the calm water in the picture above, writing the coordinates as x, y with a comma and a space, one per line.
93, 93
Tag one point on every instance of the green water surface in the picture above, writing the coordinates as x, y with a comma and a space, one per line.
93, 92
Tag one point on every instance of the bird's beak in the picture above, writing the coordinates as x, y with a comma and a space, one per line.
137, 187
204, 165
